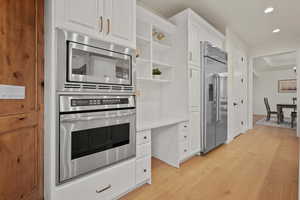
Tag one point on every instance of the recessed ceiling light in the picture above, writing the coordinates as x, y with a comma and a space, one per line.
269, 10
277, 30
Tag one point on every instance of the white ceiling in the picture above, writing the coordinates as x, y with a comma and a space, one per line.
284, 61
246, 18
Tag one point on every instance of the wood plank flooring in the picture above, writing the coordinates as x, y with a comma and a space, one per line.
259, 165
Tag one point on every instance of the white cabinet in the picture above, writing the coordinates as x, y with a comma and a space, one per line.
120, 17
143, 157
194, 44
195, 131
194, 87
109, 20
107, 184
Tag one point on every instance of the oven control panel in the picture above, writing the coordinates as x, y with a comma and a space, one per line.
98, 102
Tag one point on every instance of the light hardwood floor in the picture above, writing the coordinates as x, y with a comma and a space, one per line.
259, 165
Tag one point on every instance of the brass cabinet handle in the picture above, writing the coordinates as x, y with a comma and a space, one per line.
101, 24
104, 189
108, 26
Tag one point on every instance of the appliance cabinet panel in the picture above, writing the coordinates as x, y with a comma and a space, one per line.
143, 170
19, 162
143, 137
194, 87
143, 150
195, 131
120, 21
184, 149
108, 184
194, 43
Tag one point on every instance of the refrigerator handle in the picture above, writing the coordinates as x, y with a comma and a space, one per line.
218, 96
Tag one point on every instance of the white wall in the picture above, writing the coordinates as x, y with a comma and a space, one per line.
266, 85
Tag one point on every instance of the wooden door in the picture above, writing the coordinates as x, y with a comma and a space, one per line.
21, 121
120, 20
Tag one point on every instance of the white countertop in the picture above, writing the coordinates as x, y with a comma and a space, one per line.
161, 123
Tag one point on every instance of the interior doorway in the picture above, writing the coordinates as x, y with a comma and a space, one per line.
274, 90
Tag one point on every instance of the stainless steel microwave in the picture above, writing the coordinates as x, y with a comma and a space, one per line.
84, 63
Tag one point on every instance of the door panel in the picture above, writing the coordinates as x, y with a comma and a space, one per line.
194, 44
82, 13
21, 121
221, 125
18, 152
120, 19
18, 41
195, 131
194, 79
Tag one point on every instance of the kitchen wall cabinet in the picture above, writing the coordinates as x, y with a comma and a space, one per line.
194, 44
109, 20
21, 120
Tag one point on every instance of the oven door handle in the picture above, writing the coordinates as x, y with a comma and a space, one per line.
73, 119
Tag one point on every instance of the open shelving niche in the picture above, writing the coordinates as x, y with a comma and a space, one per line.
154, 53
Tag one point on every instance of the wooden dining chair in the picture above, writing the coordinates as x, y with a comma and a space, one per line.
269, 112
293, 118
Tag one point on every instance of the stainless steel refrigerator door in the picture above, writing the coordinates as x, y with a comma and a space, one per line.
221, 124
212, 134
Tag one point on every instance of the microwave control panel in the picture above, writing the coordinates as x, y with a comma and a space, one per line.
97, 102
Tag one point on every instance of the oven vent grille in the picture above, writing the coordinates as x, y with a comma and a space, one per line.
77, 86
128, 88
116, 87
90, 87
103, 87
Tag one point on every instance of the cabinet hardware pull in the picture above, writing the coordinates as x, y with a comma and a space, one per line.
191, 73
104, 189
145, 137
185, 150
108, 26
145, 170
185, 136
191, 56
101, 24
185, 126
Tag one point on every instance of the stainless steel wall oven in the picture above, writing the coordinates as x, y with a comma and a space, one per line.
95, 131
86, 64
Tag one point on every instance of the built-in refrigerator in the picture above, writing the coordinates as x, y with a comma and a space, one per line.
213, 97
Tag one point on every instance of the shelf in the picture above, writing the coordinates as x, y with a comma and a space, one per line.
154, 80
142, 38
161, 46
161, 64
142, 60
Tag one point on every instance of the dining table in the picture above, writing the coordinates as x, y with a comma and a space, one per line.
280, 107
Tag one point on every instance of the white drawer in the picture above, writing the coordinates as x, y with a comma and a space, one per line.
143, 137
184, 149
106, 185
183, 136
184, 127
143, 170
143, 150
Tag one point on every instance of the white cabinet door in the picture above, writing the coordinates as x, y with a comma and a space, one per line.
194, 44
195, 131
120, 20
83, 15
194, 87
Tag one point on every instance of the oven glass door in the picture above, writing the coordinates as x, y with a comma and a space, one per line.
90, 141
94, 65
